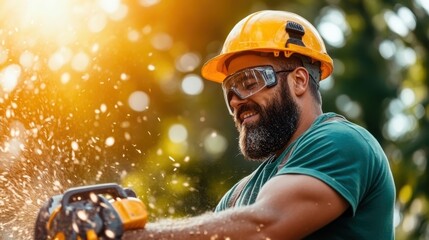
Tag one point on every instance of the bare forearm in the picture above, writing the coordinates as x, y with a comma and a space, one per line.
231, 224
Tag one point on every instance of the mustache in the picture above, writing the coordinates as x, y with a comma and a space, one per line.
246, 107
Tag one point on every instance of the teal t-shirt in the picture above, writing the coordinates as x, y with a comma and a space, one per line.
347, 158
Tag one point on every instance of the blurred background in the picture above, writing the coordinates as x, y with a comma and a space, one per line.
96, 91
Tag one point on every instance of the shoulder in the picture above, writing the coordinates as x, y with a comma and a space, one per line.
339, 133
335, 142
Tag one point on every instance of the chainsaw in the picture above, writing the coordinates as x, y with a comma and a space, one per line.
102, 211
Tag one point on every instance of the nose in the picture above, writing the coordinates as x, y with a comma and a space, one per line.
235, 101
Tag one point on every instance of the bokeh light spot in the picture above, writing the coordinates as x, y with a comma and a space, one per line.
138, 101
387, 49
120, 13
406, 57
4, 53
124, 77
59, 58
65, 78
9, 77
110, 141
151, 67
333, 27
74, 145
332, 34
399, 125
80, 62
395, 23
349, 107
97, 23
148, 3
27, 59
407, 17
14, 146
407, 96
109, 6
161, 41
103, 108
188, 62
178, 133
215, 143
424, 4
192, 84
327, 83
133, 36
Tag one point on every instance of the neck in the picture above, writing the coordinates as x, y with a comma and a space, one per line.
304, 123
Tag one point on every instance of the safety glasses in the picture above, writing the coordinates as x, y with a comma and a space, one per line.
248, 82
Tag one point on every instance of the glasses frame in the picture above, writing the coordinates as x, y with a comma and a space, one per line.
269, 77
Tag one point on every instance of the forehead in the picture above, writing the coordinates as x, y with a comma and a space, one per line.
248, 60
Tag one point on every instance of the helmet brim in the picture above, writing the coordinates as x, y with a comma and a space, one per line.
216, 70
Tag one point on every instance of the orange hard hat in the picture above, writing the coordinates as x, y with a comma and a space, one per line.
270, 31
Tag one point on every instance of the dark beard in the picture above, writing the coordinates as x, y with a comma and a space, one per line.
276, 125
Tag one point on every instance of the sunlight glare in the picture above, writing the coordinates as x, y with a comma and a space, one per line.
148, 3
47, 16
109, 6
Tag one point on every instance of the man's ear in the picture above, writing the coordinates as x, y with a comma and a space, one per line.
300, 81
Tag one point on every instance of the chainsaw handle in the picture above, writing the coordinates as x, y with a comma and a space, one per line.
84, 192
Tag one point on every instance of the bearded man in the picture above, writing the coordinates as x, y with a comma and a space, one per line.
321, 176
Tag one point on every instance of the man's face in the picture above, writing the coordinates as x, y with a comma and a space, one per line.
267, 120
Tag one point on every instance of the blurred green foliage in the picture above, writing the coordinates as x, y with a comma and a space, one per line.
380, 82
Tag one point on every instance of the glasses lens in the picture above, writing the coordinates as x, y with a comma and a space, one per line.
247, 82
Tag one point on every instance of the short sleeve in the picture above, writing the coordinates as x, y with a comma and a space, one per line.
336, 154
